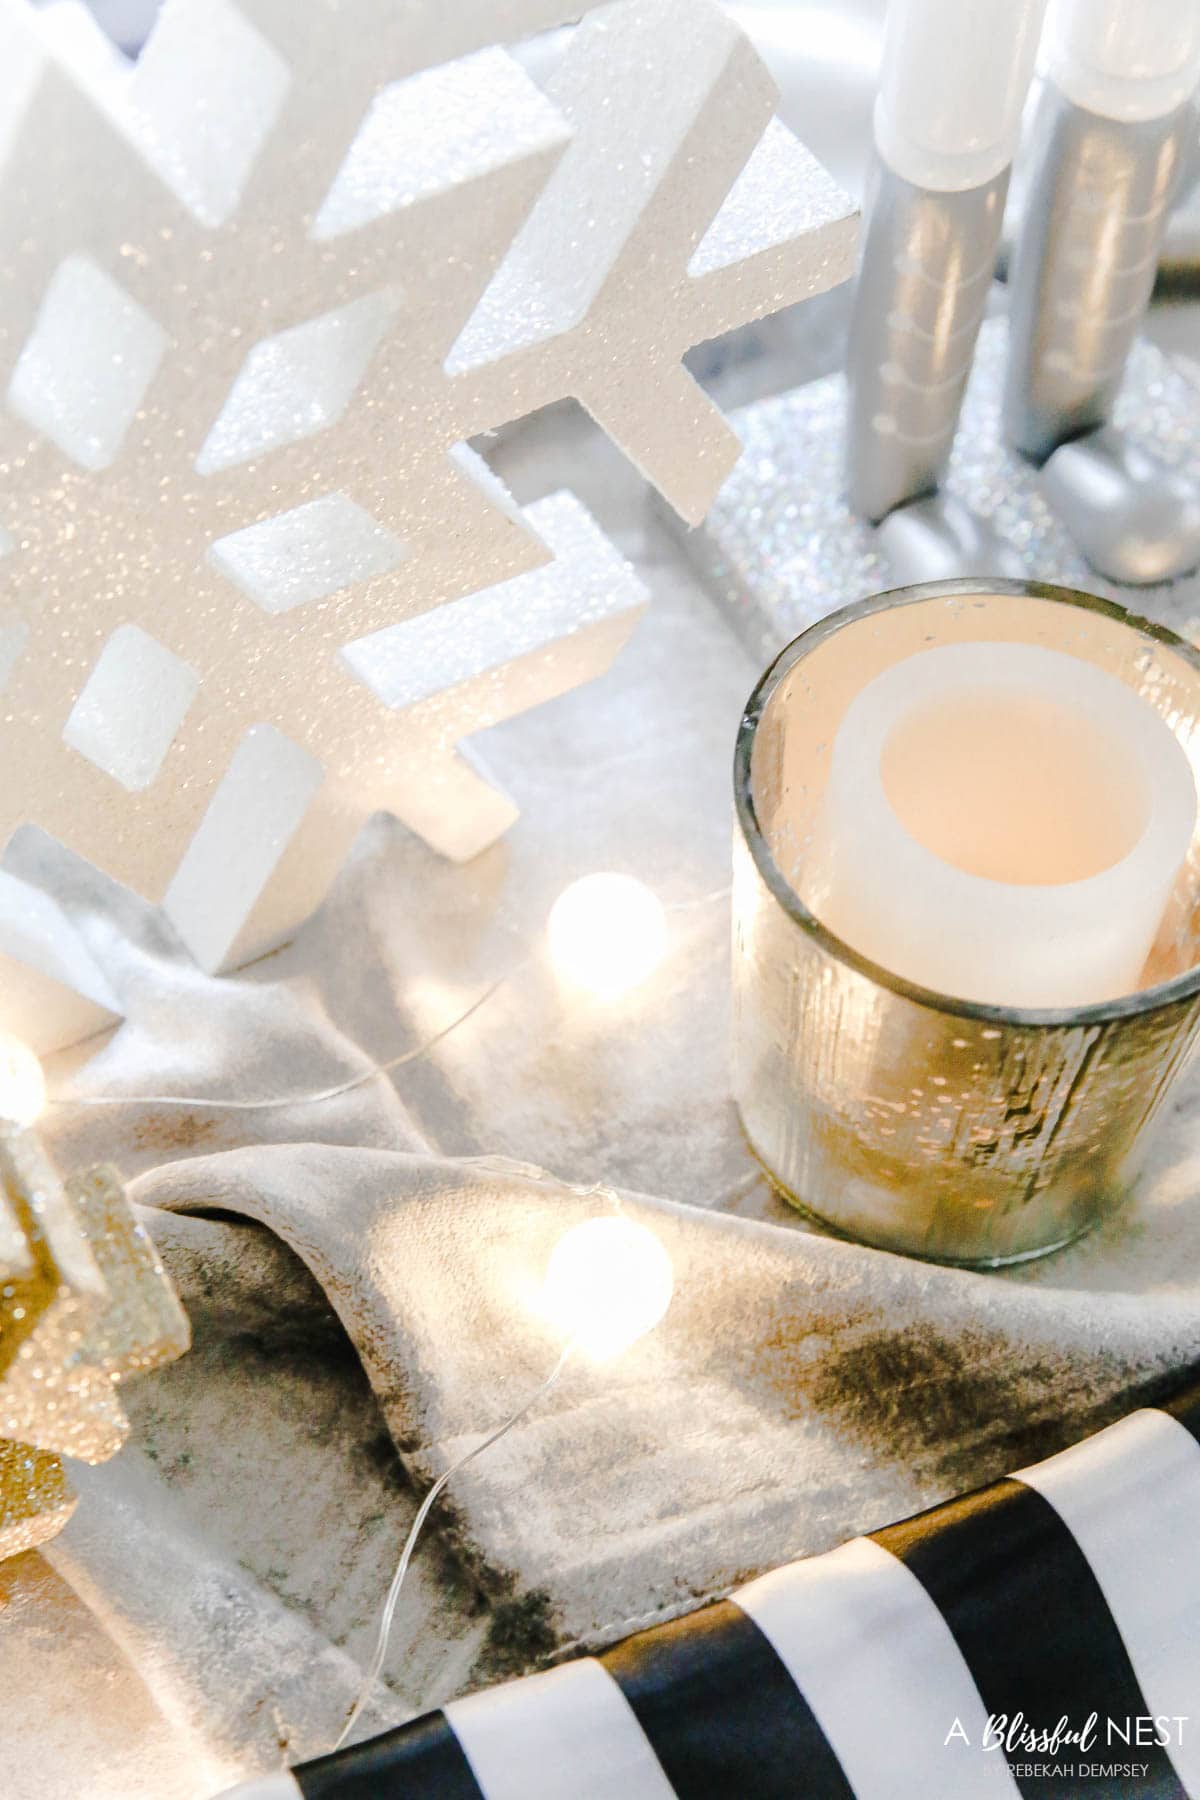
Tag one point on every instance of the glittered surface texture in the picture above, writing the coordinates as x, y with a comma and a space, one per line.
260, 291
48, 1395
782, 548
35, 1499
93, 1305
142, 1324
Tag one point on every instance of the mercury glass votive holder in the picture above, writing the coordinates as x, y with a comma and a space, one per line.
908, 1119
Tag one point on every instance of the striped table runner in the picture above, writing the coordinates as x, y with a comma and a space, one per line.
1039, 1638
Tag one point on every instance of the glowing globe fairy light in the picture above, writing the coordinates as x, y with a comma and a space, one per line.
607, 933
22, 1085
608, 1282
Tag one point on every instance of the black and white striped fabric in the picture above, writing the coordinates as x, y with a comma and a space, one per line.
1039, 1638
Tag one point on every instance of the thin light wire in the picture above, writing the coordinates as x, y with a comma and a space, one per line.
721, 893
330, 1093
271, 1102
410, 1543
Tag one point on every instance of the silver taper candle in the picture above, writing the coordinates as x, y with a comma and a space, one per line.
955, 74
1113, 134
1097, 203
923, 282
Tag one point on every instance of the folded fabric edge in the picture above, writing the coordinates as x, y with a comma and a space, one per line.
1043, 1622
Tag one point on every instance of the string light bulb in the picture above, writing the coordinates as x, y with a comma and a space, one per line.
608, 1282
22, 1084
607, 933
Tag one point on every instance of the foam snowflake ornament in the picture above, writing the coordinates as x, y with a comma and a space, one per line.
255, 298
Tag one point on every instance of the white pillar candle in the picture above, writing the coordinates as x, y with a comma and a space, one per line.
1003, 823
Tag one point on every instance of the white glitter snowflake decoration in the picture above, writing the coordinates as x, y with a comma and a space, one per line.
256, 297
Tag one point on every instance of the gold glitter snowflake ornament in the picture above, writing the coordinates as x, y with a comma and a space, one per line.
84, 1302
255, 298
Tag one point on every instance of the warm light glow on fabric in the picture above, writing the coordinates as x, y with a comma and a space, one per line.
607, 933
22, 1086
608, 1282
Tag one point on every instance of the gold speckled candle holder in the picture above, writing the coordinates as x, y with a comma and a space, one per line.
901, 1117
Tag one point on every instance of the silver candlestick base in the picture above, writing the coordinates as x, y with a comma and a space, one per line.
781, 546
